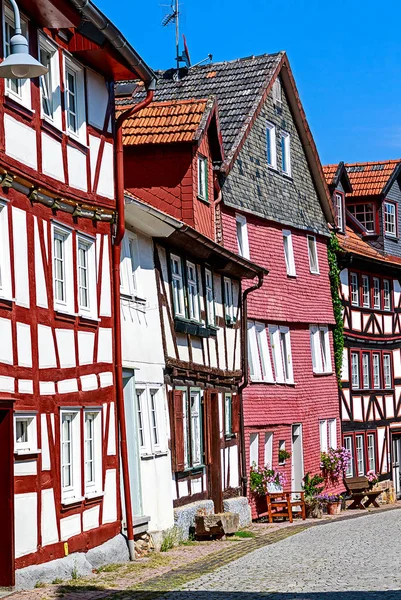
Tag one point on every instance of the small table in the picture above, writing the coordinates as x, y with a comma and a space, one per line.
372, 499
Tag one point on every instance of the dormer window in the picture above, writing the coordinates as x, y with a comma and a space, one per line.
390, 219
286, 153
365, 214
339, 206
202, 178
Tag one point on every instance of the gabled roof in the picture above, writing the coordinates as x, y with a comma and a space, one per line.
353, 243
335, 174
241, 87
170, 122
372, 178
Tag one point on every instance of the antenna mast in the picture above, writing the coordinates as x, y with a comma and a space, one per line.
177, 38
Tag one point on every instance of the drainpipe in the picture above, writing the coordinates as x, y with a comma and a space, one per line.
245, 369
116, 253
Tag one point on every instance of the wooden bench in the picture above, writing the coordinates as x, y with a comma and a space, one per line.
280, 504
358, 489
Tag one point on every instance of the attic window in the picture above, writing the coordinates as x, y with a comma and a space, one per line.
277, 92
202, 178
365, 214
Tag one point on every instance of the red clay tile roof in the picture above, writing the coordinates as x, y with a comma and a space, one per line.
165, 122
369, 178
329, 172
352, 242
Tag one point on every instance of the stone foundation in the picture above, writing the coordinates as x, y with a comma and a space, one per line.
388, 495
241, 506
77, 564
184, 517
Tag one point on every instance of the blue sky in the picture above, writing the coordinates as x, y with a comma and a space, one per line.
345, 56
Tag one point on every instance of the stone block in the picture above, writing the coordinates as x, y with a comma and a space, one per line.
61, 568
216, 525
184, 516
241, 506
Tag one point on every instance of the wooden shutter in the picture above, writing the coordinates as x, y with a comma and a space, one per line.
236, 413
177, 429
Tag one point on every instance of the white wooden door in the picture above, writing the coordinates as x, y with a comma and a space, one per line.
297, 458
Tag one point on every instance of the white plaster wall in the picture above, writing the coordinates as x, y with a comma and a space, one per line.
48, 518
77, 175
52, 157
20, 246
20, 142
25, 523
106, 176
41, 292
97, 98
6, 344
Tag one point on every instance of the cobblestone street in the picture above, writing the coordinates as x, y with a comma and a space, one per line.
357, 559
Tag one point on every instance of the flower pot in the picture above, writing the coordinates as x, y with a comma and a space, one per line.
334, 508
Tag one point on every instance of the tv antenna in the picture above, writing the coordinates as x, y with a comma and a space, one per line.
173, 16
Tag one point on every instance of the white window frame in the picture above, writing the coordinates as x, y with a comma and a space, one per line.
30, 446
260, 366
390, 219
53, 79
365, 291
73, 492
271, 145
360, 454
78, 71
376, 293
281, 446
277, 92
195, 417
289, 253
323, 435
387, 375
66, 235
366, 370
150, 421
354, 289
339, 199
386, 295
313, 256
130, 268
228, 414
210, 300
286, 153
371, 446
242, 236
355, 375
89, 245
94, 487
276, 334
320, 348
376, 371
203, 178
349, 446
269, 438
23, 93
177, 282
254, 449
332, 431
192, 291
5, 266
229, 301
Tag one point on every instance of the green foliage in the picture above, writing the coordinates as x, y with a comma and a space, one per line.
57, 581
244, 534
170, 539
74, 573
333, 249
311, 485
283, 455
40, 584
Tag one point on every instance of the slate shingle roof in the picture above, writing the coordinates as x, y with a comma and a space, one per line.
238, 86
166, 122
370, 178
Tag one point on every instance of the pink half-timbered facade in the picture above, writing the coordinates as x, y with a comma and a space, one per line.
60, 471
366, 197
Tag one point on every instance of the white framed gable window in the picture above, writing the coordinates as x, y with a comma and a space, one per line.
281, 350
328, 434
210, 305
93, 452
5, 268
63, 286
312, 251
289, 253
50, 82
17, 89
25, 433
130, 266
74, 90
229, 301
286, 153
70, 441
178, 286
320, 347
86, 271
271, 152
339, 206
258, 353
203, 178
242, 236
192, 289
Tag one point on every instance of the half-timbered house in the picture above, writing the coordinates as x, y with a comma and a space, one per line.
59, 469
269, 203
366, 198
199, 296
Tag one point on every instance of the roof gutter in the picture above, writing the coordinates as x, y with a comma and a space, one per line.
117, 40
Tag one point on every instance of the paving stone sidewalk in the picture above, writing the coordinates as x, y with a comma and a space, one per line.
151, 578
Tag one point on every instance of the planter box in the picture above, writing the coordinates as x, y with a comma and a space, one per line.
217, 525
333, 508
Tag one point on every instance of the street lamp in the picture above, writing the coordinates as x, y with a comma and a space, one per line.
20, 64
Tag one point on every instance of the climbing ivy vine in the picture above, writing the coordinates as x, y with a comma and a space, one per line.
338, 333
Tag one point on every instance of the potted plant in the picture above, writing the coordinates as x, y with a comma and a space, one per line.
283, 455
262, 479
373, 478
333, 502
313, 489
334, 463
